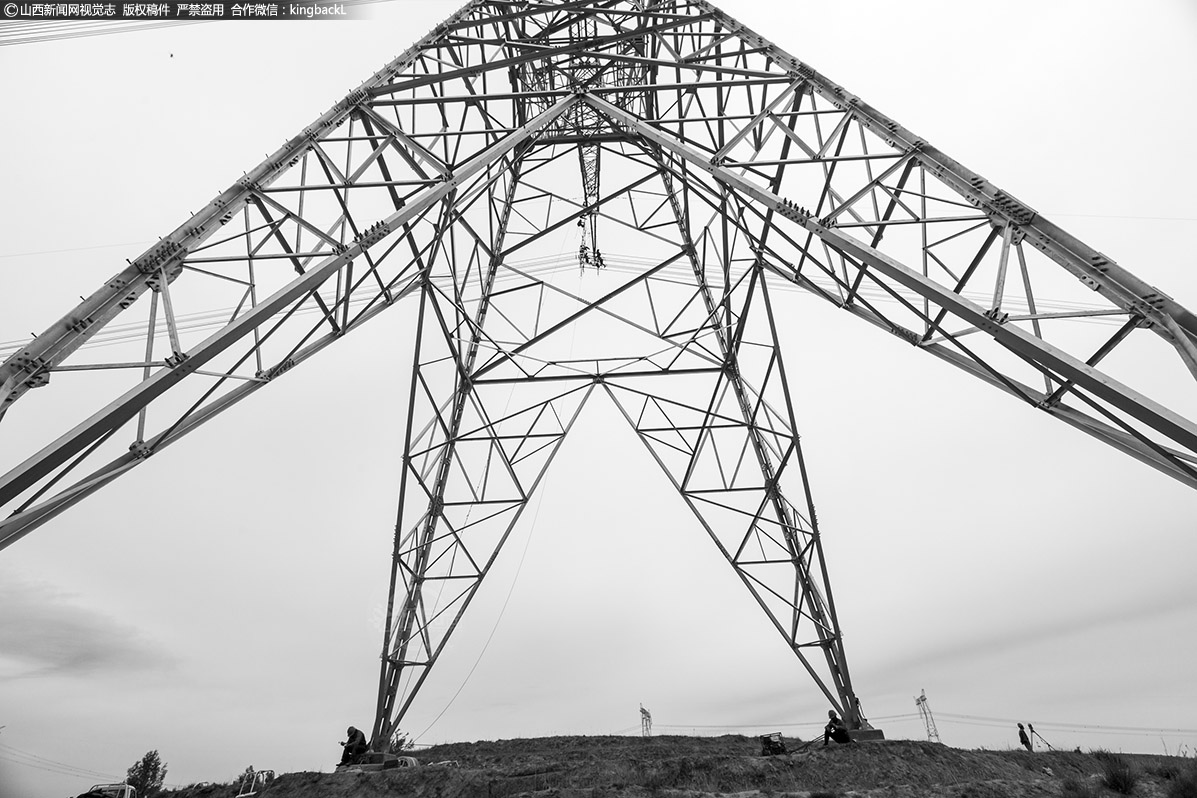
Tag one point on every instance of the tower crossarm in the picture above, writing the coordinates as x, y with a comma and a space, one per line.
30, 366
1166, 439
1167, 317
96, 429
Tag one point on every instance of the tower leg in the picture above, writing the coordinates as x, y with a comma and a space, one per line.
737, 459
473, 456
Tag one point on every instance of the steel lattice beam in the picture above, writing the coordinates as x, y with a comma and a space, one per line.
731, 173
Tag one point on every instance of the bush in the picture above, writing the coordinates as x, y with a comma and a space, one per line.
1184, 784
1117, 773
1166, 771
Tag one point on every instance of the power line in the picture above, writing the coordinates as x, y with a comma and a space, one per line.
980, 719
82, 777
503, 609
19, 757
1115, 216
35, 253
533, 267
34, 32
61, 768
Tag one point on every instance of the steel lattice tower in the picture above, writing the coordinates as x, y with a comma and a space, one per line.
927, 717
731, 174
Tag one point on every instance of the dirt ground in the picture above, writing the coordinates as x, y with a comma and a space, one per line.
730, 766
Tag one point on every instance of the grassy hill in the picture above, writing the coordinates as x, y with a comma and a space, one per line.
699, 767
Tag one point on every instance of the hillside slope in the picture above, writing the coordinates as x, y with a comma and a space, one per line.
699, 767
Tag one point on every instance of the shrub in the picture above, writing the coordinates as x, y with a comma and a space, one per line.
1166, 771
1117, 773
1184, 784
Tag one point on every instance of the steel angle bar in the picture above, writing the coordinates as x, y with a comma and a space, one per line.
26, 520
803, 556
28, 367
832, 697
504, 63
1169, 461
1094, 269
416, 558
1163, 420
392, 706
116, 413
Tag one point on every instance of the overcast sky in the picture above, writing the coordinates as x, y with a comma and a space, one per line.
223, 603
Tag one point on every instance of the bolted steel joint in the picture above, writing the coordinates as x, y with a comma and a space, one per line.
1012, 209
29, 363
276, 370
80, 324
792, 211
176, 360
372, 234
153, 260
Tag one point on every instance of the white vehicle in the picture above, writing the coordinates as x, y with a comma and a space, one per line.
110, 791
254, 782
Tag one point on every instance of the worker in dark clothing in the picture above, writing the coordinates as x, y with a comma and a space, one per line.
1023, 739
835, 730
355, 746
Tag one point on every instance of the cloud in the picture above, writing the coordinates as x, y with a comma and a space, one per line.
43, 632
1019, 634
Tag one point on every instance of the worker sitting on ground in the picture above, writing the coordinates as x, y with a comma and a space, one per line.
835, 730
355, 746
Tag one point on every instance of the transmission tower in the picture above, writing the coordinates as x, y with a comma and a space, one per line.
454, 183
646, 722
928, 718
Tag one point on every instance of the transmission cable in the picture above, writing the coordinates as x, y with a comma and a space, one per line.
1098, 728
17, 756
50, 30
503, 609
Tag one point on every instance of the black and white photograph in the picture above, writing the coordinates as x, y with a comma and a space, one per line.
598, 399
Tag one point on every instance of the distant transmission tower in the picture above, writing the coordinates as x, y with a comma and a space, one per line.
646, 722
928, 718
450, 188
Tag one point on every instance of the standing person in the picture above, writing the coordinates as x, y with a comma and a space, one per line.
1023, 738
355, 746
835, 730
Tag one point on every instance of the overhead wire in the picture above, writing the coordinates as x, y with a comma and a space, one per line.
39, 252
19, 32
534, 267
1096, 727
20, 757
16, 33
29, 32
502, 610
951, 719
802, 724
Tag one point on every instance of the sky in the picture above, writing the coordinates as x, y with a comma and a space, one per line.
223, 604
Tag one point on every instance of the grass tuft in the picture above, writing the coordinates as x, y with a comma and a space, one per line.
1071, 788
1117, 772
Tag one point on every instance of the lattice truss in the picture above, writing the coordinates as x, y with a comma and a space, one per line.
454, 182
